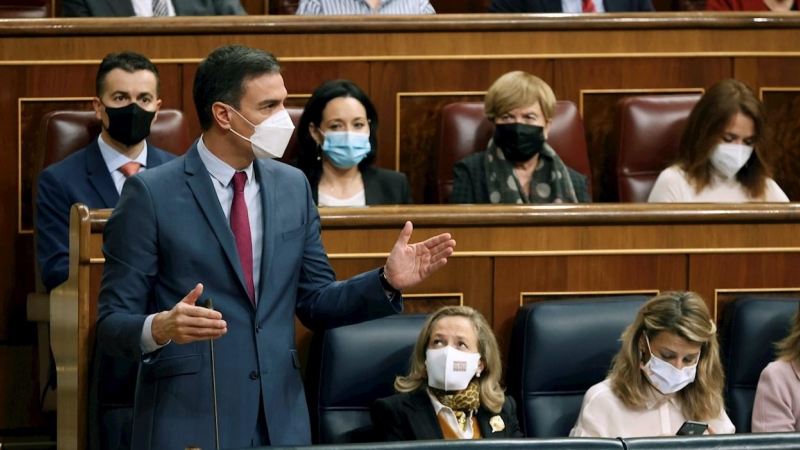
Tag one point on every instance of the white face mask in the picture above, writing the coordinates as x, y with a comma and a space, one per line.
450, 369
271, 136
664, 376
730, 158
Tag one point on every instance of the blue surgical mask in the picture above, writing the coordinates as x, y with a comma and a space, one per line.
346, 149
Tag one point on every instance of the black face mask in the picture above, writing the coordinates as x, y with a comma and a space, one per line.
130, 124
519, 141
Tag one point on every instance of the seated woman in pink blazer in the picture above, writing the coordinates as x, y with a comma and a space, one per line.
777, 404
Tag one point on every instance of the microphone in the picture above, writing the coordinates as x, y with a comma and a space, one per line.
210, 305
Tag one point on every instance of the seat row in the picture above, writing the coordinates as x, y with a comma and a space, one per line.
557, 351
645, 139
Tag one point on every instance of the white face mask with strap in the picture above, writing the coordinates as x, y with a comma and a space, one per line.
664, 376
271, 136
730, 158
450, 369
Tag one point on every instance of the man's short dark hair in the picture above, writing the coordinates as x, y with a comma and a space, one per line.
222, 75
129, 62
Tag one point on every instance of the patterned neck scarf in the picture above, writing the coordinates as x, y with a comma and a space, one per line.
550, 182
461, 402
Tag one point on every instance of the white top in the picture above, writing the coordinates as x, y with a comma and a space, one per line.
114, 160
450, 417
673, 186
144, 8
323, 199
604, 415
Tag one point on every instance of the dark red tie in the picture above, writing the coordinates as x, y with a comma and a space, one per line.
240, 225
588, 6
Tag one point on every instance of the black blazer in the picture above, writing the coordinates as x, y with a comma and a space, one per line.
411, 417
381, 187
469, 182
124, 8
554, 6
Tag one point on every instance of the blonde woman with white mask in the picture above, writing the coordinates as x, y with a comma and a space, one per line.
453, 390
667, 372
722, 153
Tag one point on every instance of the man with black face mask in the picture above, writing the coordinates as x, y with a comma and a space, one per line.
126, 102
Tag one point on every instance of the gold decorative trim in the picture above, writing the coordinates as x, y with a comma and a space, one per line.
381, 58
97, 260
20, 100
667, 251
748, 290
459, 295
638, 91
522, 295
397, 114
763, 90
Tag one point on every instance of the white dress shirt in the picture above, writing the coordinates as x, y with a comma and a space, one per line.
576, 6
604, 415
450, 418
144, 8
359, 7
114, 160
673, 186
222, 179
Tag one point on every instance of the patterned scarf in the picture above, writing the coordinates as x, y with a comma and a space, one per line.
461, 402
550, 182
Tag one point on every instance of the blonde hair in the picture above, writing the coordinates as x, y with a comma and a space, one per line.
519, 90
685, 314
789, 347
492, 395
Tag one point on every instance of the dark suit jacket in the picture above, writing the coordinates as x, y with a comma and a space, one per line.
83, 177
184, 238
411, 417
554, 6
124, 8
382, 187
469, 182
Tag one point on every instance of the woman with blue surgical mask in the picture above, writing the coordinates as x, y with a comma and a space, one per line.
453, 389
722, 153
338, 147
667, 372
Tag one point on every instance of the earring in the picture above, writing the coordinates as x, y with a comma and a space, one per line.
478, 374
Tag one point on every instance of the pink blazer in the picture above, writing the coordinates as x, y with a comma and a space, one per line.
777, 403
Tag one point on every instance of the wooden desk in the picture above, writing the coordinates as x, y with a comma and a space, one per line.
506, 256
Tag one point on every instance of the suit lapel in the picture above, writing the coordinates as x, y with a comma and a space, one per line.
200, 183
486, 428
99, 176
269, 233
154, 158
422, 417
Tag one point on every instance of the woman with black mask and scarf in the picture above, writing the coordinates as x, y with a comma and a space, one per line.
518, 166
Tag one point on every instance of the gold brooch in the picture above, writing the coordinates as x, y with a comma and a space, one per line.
497, 424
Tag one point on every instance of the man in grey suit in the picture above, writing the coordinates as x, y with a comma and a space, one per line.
150, 8
219, 223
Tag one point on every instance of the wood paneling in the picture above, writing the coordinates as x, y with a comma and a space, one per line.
596, 85
755, 273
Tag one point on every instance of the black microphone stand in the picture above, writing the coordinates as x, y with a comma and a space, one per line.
210, 305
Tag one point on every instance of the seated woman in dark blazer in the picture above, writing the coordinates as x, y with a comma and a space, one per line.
518, 166
338, 146
453, 390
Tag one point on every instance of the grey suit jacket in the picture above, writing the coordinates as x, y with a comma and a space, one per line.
124, 8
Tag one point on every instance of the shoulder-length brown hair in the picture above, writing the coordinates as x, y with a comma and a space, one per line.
704, 130
492, 394
686, 315
789, 347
